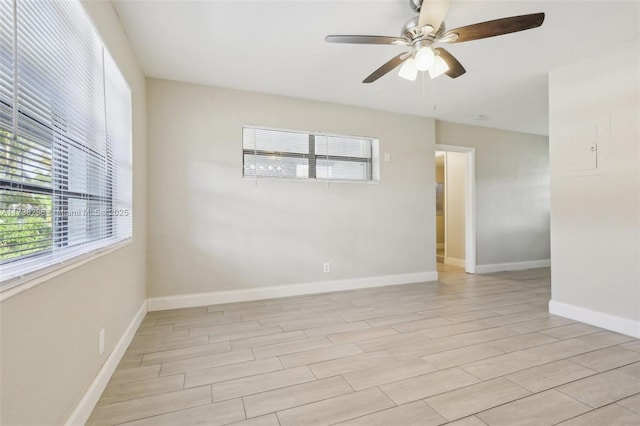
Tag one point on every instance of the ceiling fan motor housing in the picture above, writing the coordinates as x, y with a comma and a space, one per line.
411, 31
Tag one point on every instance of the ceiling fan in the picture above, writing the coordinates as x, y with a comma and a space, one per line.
423, 32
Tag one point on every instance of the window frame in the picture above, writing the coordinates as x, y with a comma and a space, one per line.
372, 163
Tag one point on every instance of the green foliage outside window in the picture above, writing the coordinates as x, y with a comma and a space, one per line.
25, 217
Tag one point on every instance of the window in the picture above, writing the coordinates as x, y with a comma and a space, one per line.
306, 155
65, 139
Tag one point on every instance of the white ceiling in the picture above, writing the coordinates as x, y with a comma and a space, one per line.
278, 47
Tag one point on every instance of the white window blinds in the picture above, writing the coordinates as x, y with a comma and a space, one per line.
65, 134
306, 155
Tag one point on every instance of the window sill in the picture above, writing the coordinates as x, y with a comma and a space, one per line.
310, 180
33, 279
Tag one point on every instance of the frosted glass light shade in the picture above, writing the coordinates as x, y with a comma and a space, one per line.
408, 70
439, 67
424, 58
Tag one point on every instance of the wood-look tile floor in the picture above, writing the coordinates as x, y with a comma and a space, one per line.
466, 350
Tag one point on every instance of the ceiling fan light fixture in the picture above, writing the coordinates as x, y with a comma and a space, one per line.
424, 58
439, 67
408, 70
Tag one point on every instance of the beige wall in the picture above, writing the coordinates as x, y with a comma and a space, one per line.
455, 205
512, 191
49, 350
210, 229
595, 220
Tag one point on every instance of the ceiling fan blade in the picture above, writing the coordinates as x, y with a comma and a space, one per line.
388, 66
365, 39
455, 68
432, 12
494, 28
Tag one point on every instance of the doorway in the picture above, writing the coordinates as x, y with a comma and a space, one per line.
455, 206
440, 203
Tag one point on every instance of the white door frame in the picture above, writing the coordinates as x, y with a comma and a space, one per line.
469, 203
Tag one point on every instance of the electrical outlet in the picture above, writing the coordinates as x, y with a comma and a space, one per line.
101, 342
326, 267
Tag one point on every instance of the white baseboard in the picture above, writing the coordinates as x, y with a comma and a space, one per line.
514, 266
84, 408
599, 319
454, 262
243, 295
439, 246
